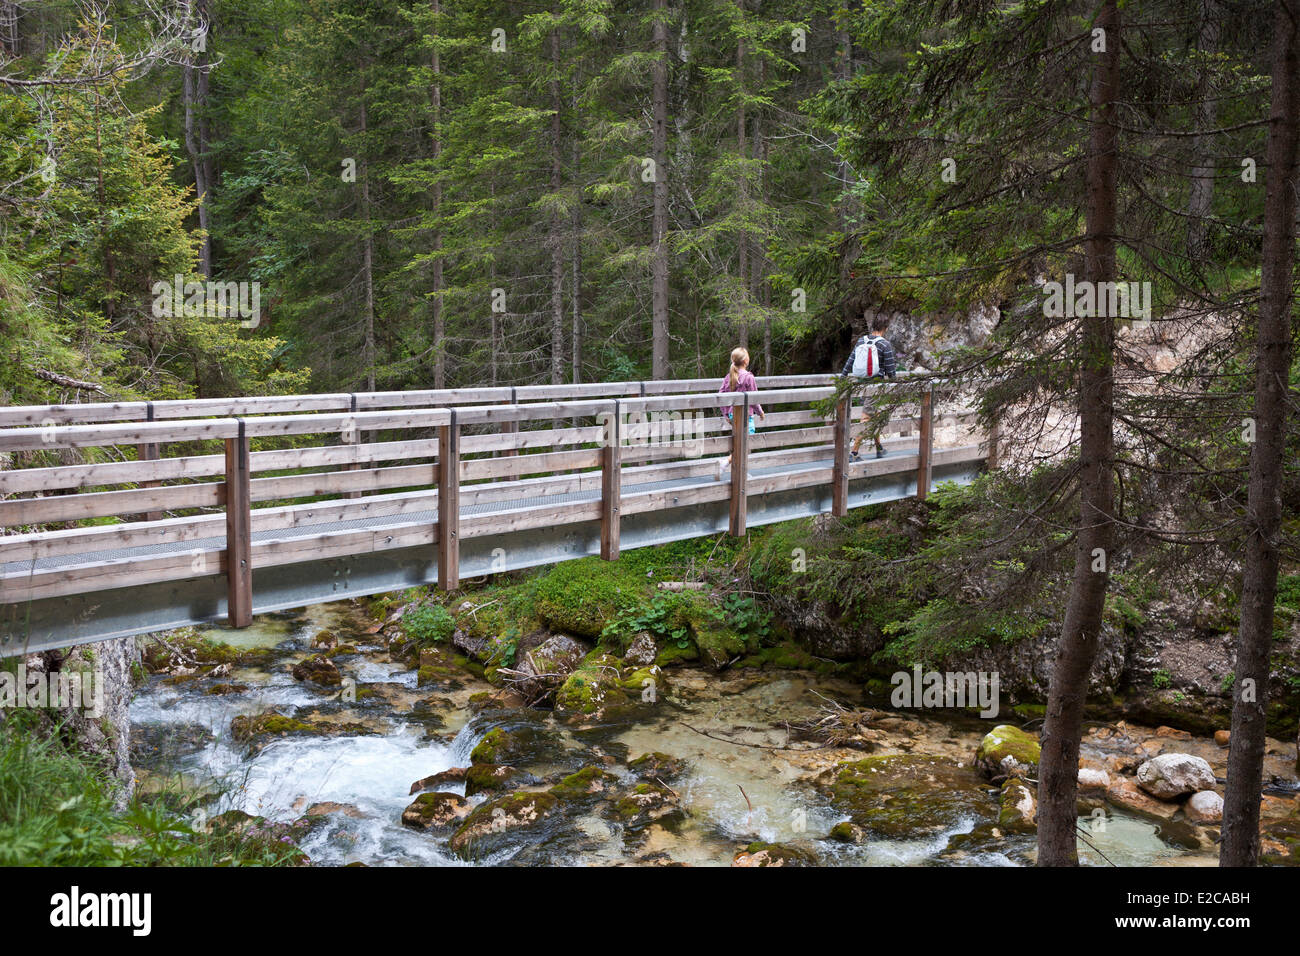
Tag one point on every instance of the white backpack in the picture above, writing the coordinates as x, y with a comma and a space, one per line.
866, 358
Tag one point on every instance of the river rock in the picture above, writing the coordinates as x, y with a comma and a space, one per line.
587, 782
548, 665
1170, 776
1091, 778
439, 780
494, 823
318, 670
909, 795
1017, 808
1006, 752
657, 766
642, 651
1222, 737
647, 803
489, 777
1124, 793
593, 688
1204, 806
774, 854
435, 810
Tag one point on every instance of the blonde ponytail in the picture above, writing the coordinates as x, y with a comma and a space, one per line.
739, 359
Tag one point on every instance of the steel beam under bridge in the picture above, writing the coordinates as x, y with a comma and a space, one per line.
142, 609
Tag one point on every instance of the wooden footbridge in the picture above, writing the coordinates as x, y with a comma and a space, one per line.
131, 517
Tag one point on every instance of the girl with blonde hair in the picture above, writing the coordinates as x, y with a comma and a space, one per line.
739, 379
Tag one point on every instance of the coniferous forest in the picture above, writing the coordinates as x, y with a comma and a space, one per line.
1079, 215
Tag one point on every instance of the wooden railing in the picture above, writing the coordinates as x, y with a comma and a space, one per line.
419, 479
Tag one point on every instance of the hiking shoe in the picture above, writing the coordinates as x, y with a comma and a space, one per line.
854, 456
880, 453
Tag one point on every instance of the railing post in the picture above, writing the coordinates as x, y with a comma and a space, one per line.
449, 505
993, 437
611, 487
149, 452
739, 466
840, 469
508, 428
352, 436
925, 447
239, 523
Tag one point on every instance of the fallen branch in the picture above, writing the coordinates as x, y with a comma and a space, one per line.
66, 382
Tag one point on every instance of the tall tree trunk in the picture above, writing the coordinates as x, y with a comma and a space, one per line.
556, 238
367, 257
193, 146
575, 282
659, 247
761, 288
1200, 198
439, 321
1264, 501
742, 150
9, 27
1081, 629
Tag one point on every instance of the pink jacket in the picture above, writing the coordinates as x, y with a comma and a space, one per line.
745, 382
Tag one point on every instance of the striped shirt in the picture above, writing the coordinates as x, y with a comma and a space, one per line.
888, 363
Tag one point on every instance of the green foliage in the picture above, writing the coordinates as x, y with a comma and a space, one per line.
57, 810
429, 624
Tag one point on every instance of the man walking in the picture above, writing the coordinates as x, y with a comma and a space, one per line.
872, 357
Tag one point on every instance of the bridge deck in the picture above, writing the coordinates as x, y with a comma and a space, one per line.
468, 494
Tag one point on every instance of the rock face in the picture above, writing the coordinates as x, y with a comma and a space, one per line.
1006, 752
1204, 806
1170, 776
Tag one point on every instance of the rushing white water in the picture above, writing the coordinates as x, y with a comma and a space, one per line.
743, 782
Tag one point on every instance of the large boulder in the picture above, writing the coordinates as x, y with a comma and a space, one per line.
1007, 752
1170, 776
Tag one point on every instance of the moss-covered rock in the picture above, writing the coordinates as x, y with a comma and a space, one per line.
317, 669
902, 796
775, 854
431, 811
647, 803
594, 687
495, 778
257, 728
587, 782
1017, 808
657, 766
497, 822
1006, 752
